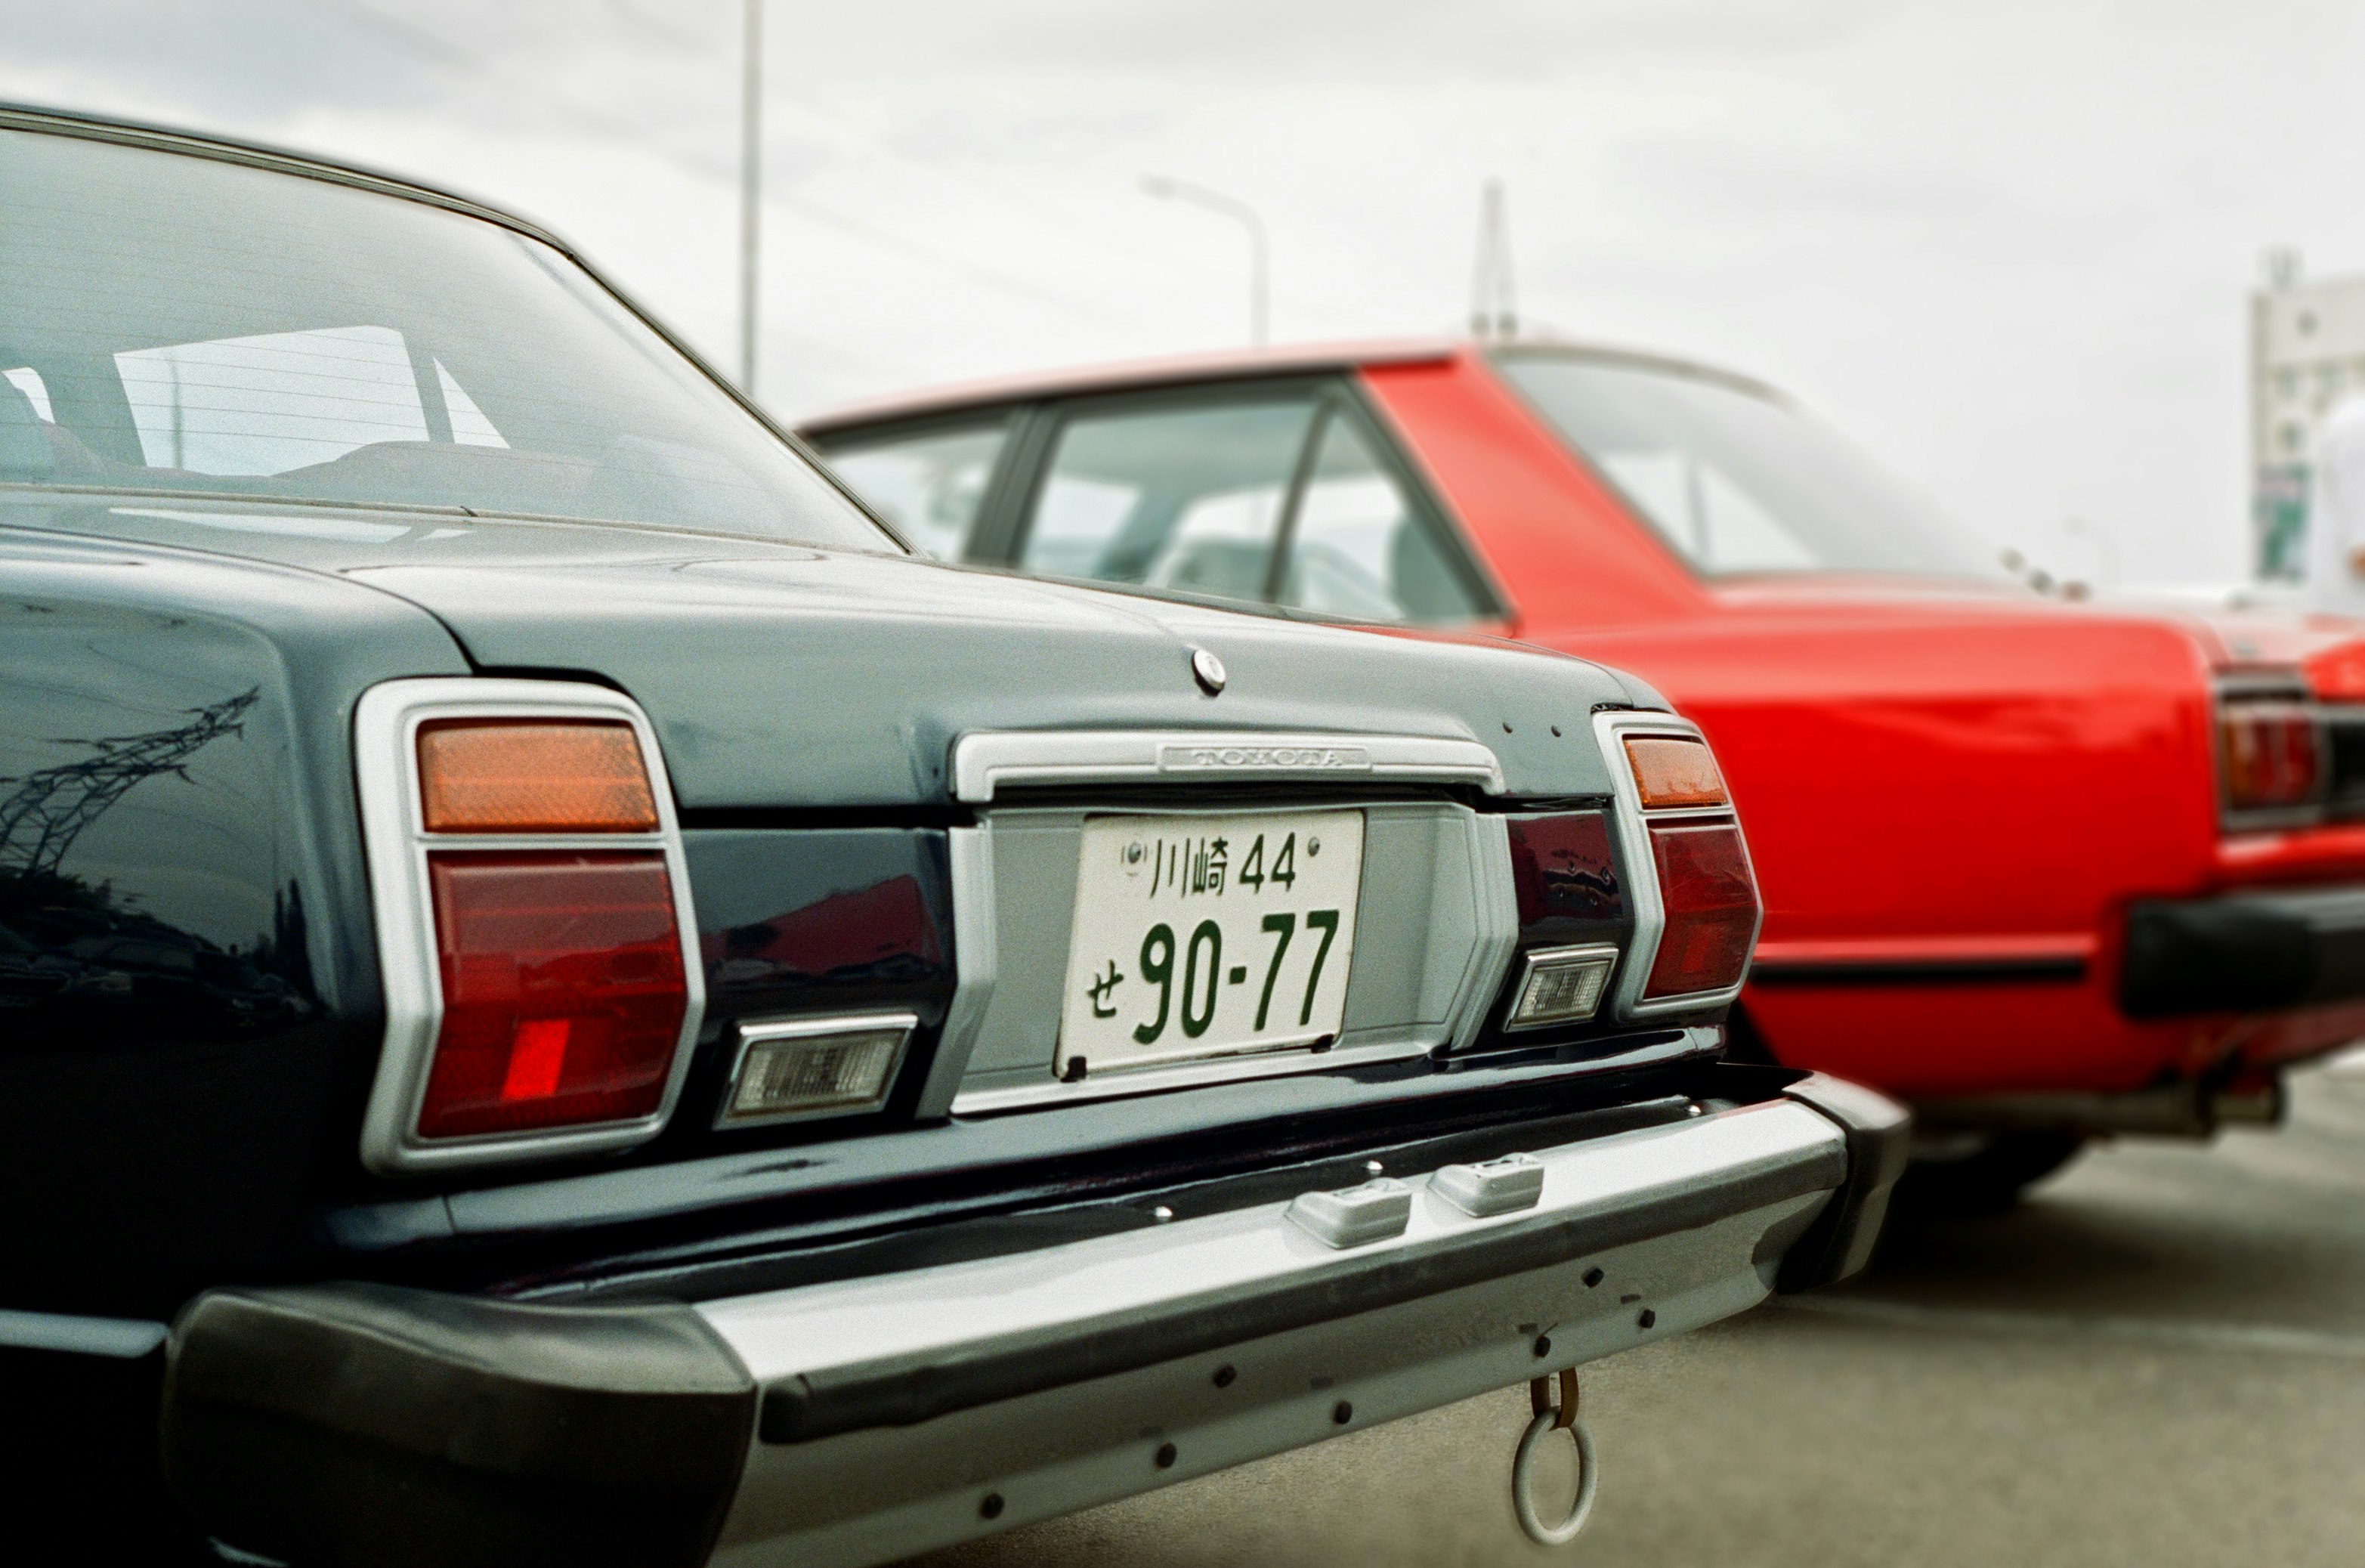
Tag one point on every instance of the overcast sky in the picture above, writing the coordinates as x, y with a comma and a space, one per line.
2006, 245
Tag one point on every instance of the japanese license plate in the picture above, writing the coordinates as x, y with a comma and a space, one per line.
1199, 935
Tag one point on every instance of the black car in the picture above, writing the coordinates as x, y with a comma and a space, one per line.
569, 999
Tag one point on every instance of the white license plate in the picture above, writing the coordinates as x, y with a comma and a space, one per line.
1200, 936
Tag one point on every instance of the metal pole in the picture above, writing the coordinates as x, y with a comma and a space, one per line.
1260, 245
1260, 280
1492, 312
751, 179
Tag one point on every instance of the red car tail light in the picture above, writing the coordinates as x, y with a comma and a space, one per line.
513, 776
1710, 897
564, 990
2270, 756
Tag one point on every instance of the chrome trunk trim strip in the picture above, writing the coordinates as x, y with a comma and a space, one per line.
985, 762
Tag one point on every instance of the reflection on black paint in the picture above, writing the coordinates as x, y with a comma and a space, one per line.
806, 920
71, 953
82, 959
883, 933
1565, 874
49, 809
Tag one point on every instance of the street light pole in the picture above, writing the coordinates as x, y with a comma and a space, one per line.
1260, 249
2105, 547
751, 151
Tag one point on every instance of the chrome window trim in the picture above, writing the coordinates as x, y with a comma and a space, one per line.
985, 761
1517, 988
1643, 875
395, 845
749, 1035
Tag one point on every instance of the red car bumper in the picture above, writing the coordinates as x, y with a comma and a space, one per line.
2221, 990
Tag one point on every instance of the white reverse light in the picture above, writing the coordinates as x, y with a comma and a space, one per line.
1561, 985
814, 1067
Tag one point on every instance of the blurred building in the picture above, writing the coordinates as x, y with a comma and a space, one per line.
2307, 349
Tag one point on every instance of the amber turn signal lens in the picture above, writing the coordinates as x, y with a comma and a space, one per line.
1669, 772
519, 775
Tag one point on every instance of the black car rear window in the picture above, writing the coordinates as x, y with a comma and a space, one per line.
172, 323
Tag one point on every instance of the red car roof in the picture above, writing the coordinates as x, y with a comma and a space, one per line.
1228, 363
1294, 359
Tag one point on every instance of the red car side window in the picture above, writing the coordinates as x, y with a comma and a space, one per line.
1360, 547
930, 483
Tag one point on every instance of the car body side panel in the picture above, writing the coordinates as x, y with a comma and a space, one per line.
194, 1010
1957, 790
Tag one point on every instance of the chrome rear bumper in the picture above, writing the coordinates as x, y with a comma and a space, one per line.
875, 1418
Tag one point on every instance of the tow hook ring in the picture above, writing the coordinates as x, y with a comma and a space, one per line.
1553, 1417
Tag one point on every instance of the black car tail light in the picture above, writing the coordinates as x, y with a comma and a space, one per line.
564, 990
1710, 900
503, 776
1697, 909
542, 978
1673, 772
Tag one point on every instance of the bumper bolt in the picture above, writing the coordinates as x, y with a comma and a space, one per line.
1647, 1319
1342, 1413
1166, 1456
1543, 1345
992, 1507
1224, 1376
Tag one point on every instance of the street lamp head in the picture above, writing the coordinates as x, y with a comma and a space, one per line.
1239, 212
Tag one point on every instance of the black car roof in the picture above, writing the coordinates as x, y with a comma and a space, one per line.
259, 155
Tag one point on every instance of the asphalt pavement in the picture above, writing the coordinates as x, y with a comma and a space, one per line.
2157, 1359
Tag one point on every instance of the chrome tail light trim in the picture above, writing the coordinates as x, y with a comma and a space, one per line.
1633, 827
396, 842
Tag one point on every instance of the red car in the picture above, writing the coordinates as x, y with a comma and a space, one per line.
2109, 860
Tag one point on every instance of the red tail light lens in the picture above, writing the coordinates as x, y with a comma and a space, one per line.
2272, 754
1712, 905
564, 990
